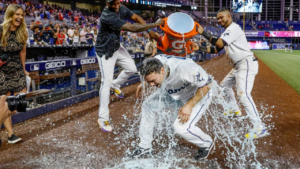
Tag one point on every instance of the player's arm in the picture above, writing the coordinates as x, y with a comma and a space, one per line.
140, 20
186, 110
137, 27
215, 41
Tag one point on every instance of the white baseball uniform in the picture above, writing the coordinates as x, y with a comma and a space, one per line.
243, 73
123, 59
185, 78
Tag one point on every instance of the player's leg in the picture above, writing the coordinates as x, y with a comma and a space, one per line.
245, 81
107, 72
129, 68
153, 104
190, 132
228, 82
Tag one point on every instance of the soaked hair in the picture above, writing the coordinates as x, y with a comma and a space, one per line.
21, 31
151, 65
224, 10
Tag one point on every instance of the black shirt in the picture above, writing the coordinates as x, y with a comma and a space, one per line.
108, 40
37, 36
203, 44
46, 36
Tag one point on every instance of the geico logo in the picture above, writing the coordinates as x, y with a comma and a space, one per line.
178, 44
55, 64
87, 61
280, 46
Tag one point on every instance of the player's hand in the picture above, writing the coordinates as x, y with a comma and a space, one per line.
139, 88
200, 29
185, 113
159, 22
26, 73
195, 46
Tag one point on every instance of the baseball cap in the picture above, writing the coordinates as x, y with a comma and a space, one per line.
109, 1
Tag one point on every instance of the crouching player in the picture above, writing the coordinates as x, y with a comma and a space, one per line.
187, 93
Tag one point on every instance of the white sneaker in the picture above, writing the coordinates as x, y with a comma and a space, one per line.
105, 126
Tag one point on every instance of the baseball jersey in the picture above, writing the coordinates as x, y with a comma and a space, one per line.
185, 77
235, 38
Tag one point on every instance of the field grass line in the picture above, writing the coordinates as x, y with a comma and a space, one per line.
277, 53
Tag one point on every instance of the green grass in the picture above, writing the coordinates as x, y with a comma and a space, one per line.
284, 64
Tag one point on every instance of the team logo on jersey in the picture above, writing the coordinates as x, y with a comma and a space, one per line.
199, 77
225, 34
173, 91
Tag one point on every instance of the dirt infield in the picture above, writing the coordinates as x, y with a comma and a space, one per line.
71, 138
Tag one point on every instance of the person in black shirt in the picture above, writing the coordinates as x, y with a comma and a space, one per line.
36, 36
110, 51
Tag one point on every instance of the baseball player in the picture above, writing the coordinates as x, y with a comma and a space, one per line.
286, 47
185, 89
110, 52
245, 68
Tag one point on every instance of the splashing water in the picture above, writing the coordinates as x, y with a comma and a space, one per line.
231, 149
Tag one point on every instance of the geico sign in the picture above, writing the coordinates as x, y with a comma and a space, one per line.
55, 64
87, 61
280, 46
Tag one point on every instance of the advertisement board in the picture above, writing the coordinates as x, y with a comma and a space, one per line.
258, 45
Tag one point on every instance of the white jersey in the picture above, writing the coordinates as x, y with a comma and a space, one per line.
235, 38
185, 77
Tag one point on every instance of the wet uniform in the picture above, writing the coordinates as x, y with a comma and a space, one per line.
185, 78
243, 73
110, 52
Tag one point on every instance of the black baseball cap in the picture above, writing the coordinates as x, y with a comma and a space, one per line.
109, 1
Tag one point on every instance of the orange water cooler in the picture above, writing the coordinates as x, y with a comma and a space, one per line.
179, 28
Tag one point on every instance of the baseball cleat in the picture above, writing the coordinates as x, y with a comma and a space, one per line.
139, 151
235, 114
258, 134
105, 126
118, 93
203, 152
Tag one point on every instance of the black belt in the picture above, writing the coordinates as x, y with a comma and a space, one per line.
254, 59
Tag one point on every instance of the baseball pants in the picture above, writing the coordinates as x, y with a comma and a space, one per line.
122, 58
243, 76
188, 130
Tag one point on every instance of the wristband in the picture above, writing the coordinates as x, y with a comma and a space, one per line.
149, 30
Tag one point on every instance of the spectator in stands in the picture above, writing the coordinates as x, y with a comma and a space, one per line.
47, 34
95, 33
37, 36
61, 38
64, 25
60, 15
38, 17
82, 36
66, 36
89, 37
76, 37
76, 18
13, 43
150, 46
51, 24
71, 34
